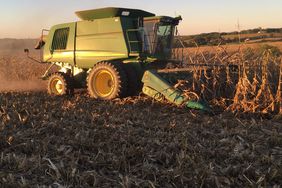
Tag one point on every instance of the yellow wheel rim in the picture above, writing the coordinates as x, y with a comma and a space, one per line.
103, 83
57, 86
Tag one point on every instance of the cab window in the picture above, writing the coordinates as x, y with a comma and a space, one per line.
60, 39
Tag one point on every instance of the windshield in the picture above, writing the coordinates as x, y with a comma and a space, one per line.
164, 39
158, 38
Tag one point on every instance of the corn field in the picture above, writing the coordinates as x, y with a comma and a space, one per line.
234, 81
73, 141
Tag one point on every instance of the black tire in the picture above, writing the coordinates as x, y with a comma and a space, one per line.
134, 81
107, 81
59, 84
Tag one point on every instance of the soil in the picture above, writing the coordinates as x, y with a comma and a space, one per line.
135, 142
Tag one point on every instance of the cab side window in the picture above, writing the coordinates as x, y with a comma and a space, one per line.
60, 39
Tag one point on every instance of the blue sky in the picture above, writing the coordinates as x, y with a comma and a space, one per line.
26, 18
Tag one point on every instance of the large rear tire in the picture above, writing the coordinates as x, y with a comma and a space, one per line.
107, 81
59, 84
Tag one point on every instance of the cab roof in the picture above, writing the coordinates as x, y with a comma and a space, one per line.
110, 12
164, 19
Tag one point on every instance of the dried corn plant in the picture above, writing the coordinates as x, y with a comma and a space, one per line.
279, 90
234, 81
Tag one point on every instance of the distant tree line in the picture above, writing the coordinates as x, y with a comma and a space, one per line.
201, 39
216, 38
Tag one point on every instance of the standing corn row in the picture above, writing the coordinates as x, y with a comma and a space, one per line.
254, 88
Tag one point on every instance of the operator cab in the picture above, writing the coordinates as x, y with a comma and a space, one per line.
159, 34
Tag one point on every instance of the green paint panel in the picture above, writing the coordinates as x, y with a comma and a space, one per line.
100, 40
156, 82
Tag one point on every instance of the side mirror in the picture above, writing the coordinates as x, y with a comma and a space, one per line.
26, 50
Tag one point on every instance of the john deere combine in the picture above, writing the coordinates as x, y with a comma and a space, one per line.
113, 52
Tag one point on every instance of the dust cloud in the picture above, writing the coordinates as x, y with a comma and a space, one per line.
17, 72
21, 85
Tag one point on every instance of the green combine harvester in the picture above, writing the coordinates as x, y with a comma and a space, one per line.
114, 53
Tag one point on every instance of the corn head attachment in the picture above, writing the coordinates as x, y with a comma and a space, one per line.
158, 88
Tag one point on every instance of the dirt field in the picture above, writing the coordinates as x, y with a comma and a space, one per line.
78, 142
74, 141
